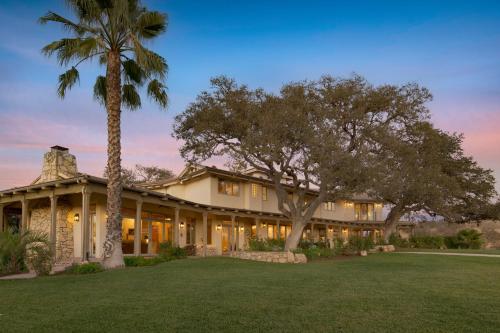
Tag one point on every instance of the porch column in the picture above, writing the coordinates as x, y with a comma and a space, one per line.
176, 226
257, 228
278, 227
150, 236
2, 227
312, 231
85, 222
205, 233
238, 235
232, 233
53, 223
163, 231
138, 227
24, 214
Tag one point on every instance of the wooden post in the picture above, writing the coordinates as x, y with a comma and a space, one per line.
257, 228
163, 231
85, 222
238, 235
312, 231
53, 223
138, 228
24, 214
150, 236
205, 234
176, 226
278, 227
232, 233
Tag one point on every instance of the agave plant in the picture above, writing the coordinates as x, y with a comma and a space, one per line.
113, 31
20, 250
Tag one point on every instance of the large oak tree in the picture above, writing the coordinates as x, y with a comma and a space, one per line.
113, 31
421, 168
312, 140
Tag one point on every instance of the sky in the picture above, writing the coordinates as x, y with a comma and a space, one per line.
450, 47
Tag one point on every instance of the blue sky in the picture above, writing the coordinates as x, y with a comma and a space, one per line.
451, 47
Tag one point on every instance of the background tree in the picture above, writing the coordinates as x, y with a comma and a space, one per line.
312, 139
424, 169
113, 31
142, 174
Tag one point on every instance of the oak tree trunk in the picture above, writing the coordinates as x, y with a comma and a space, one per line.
293, 239
391, 223
113, 255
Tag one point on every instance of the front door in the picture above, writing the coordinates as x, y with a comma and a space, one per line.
226, 241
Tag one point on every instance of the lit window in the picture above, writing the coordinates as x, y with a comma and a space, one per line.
328, 205
254, 190
364, 211
229, 188
264, 193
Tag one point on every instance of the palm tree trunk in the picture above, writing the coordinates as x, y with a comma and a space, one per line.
113, 255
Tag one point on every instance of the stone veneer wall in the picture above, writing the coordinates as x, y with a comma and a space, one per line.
276, 257
58, 165
211, 250
40, 221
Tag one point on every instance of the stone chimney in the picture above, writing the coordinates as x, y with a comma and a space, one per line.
58, 164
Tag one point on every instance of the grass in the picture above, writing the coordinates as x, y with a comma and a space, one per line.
380, 293
478, 251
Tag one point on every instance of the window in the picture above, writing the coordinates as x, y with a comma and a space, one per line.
209, 232
229, 187
254, 190
264, 193
364, 212
329, 205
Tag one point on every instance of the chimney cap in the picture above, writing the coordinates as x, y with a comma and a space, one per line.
59, 148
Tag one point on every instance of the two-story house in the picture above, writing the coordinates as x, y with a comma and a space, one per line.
213, 209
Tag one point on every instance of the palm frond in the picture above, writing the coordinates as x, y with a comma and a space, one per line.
100, 90
130, 97
85, 10
151, 63
68, 49
79, 29
157, 91
132, 71
151, 24
67, 80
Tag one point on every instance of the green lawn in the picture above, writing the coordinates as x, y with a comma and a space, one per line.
380, 293
478, 251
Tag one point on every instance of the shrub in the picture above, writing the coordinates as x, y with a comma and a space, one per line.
465, 239
87, 268
169, 252
397, 241
18, 250
427, 242
266, 244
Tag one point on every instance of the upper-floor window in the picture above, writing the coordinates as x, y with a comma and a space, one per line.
229, 187
328, 205
364, 211
264, 193
255, 189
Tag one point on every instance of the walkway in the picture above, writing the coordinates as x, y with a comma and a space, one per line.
456, 254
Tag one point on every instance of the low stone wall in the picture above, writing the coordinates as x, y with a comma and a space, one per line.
277, 257
211, 250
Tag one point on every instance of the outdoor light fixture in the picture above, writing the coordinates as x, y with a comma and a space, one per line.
76, 218
182, 224
242, 228
218, 227
263, 225
147, 239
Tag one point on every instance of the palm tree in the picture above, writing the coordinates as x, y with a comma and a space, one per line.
113, 31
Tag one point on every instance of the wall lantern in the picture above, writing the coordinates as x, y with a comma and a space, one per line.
76, 218
242, 229
330, 228
146, 238
264, 225
218, 227
182, 224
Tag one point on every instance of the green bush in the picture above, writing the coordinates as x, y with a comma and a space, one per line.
18, 250
427, 242
170, 252
87, 268
397, 241
465, 239
266, 244
317, 252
